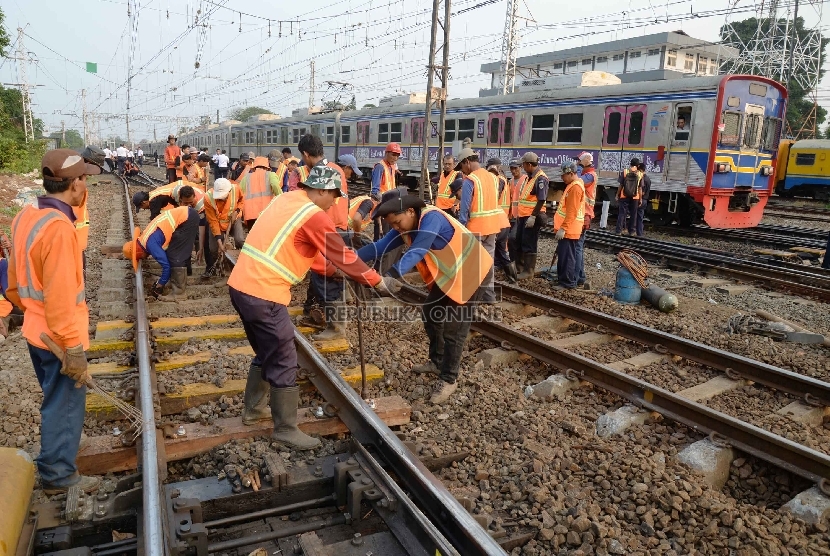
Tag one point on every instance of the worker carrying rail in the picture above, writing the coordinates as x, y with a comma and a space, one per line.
46, 281
293, 236
259, 187
451, 262
169, 238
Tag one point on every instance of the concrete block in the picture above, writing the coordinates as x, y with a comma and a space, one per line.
551, 387
709, 460
544, 322
117, 283
733, 289
803, 413
592, 338
669, 275
114, 310
708, 282
509, 307
710, 388
811, 505
638, 361
619, 420
497, 356
112, 294
175, 308
114, 265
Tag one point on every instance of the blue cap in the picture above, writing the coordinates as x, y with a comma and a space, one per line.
350, 161
568, 167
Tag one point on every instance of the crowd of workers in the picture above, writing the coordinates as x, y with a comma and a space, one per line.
299, 218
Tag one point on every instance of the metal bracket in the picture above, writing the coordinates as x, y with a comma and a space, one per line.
185, 526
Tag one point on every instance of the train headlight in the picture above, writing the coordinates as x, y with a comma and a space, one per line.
766, 170
722, 168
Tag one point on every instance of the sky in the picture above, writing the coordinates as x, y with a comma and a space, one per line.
259, 53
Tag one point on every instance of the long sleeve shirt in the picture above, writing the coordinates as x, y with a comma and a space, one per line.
159, 202
170, 154
377, 177
466, 201
540, 189
4, 275
433, 232
155, 246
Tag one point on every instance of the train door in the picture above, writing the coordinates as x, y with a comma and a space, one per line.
680, 142
500, 130
416, 142
750, 145
622, 137
363, 143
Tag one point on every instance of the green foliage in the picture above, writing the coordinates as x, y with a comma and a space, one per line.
242, 114
73, 139
4, 37
16, 155
369, 106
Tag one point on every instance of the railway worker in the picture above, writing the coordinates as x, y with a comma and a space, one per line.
383, 173
169, 238
325, 292
628, 196
223, 211
7, 309
286, 155
169, 196
46, 282
515, 182
121, 157
108, 159
274, 159
452, 263
258, 188
588, 175
530, 215
645, 187
568, 224
502, 259
240, 168
139, 156
221, 165
197, 172
260, 290
291, 180
172, 157
449, 186
479, 211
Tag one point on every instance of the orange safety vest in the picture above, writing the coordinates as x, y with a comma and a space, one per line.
387, 182
505, 197
574, 229
27, 230
527, 201
174, 190
639, 184
82, 222
515, 190
269, 263
354, 204
256, 187
444, 199
280, 173
460, 267
170, 154
486, 216
228, 208
195, 172
167, 222
590, 192
339, 212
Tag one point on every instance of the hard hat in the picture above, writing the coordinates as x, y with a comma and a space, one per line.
393, 148
261, 162
585, 156
221, 189
130, 249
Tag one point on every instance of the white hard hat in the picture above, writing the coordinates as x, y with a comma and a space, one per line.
221, 189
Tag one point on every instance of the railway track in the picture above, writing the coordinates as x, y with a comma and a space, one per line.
571, 356
347, 497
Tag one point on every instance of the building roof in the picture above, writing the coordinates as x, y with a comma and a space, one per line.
678, 38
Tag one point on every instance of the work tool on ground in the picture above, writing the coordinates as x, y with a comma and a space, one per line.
549, 273
778, 331
357, 293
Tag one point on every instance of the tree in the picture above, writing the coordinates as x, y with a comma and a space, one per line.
73, 139
242, 114
799, 103
4, 37
205, 120
369, 106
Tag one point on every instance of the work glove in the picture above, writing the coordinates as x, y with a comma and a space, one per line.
530, 222
388, 286
73, 360
157, 290
560, 233
357, 223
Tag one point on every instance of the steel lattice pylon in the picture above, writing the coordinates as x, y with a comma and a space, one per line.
776, 50
509, 48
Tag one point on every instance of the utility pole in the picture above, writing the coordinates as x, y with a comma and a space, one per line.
311, 89
217, 116
83, 107
509, 48
22, 61
63, 134
436, 97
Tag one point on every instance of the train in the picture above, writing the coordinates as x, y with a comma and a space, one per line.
710, 144
804, 170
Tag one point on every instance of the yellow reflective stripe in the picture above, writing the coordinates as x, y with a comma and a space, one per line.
289, 226
277, 267
267, 258
479, 194
28, 291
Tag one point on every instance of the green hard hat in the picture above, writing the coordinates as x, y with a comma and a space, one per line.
324, 177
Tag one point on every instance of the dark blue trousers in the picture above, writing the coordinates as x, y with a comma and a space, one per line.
627, 208
826, 262
579, 254
566, 262
502, 254
61, 420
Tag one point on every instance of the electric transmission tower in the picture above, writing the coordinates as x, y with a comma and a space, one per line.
22, 62
509, 48
783, 50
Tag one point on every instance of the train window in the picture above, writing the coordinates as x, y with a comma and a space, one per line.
345, 134
586, 61
330, 134
315, 130
683, 125
602, 59
268, 137
541, 129
508, 130
733, 102
752, 131
363, 133
466, 129
417, 131
614, 127
449, 131
296, 134
731, 123
233, 137
635, 128
493, 138
570, 128
284, 136
395, 132
757, 89
770, 134
557, 66
805, 159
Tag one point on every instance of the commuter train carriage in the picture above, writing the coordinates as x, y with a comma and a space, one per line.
709, 143
804, 169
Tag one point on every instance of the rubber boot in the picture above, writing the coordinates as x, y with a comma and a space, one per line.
333, 330
256, 397
529, 266
178, 281
511, 273
284, 403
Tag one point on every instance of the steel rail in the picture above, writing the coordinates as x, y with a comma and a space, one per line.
779, 451
450, 528
151, 486
809, 389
